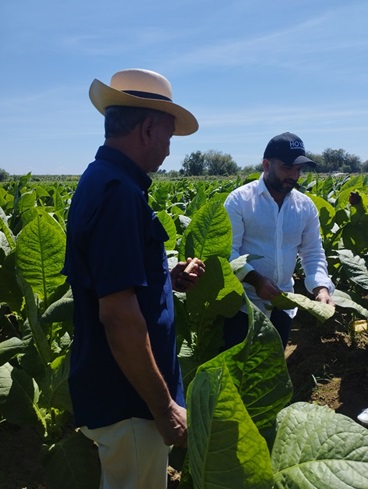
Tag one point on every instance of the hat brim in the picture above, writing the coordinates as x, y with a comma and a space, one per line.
103, 96
303, 160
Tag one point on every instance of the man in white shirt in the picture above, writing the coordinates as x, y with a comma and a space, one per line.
272, 219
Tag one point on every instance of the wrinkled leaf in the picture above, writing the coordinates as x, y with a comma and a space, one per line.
319, 449
342, 299
355, 267
289, 300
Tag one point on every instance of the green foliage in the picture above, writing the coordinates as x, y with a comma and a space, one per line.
336, 160
237, 420
288, 300
194, 164
4, 175
71, 463
35, 318
218, 163
325, 450
240, 433
209, 163
212, 162
220, 428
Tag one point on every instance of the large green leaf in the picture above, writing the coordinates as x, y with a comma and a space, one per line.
218, 291
40, 254
353, 184
354, 267
258, 369
169, 225
218, 294
27, 200
355, 231
289, 300
32, 321
58, 311
197, 202
342, 299
326, 212
55, 383
317, 448
19, 395
209, 233
11, 347
72, 463
225, 448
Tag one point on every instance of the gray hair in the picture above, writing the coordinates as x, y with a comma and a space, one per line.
121, 120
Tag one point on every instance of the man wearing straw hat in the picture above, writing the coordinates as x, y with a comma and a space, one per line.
125, 380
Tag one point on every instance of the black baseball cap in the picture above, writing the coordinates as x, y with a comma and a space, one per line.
288, 148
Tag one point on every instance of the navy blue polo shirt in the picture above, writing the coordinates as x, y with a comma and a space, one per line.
115, 242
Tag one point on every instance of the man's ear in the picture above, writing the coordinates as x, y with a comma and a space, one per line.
266, 164
146, 128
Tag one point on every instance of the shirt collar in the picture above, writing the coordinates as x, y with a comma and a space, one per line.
125, 165
262, 186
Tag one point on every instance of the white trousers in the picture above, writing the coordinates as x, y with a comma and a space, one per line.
132, 455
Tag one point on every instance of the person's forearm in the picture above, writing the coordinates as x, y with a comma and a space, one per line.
265, 288
253, 278
128, 339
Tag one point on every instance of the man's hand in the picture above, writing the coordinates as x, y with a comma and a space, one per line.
321, 294
173, 425
184, 275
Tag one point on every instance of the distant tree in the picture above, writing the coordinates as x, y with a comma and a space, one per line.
318, 159
218, 163
173, 174
339, 160
249, 169
4, 175
194, 164
365, 167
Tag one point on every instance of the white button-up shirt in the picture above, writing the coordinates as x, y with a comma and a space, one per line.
279, 235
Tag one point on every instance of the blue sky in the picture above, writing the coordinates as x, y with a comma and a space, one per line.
248, 70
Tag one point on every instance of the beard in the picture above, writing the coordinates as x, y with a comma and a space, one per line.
281, 186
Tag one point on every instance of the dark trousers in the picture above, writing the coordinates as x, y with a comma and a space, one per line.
236, 328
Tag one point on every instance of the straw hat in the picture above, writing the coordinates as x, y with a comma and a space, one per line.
142, 88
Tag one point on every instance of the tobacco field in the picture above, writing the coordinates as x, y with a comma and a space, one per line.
258, 417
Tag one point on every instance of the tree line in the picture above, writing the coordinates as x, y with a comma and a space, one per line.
216, 163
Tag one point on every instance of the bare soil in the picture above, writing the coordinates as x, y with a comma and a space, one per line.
327, 363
